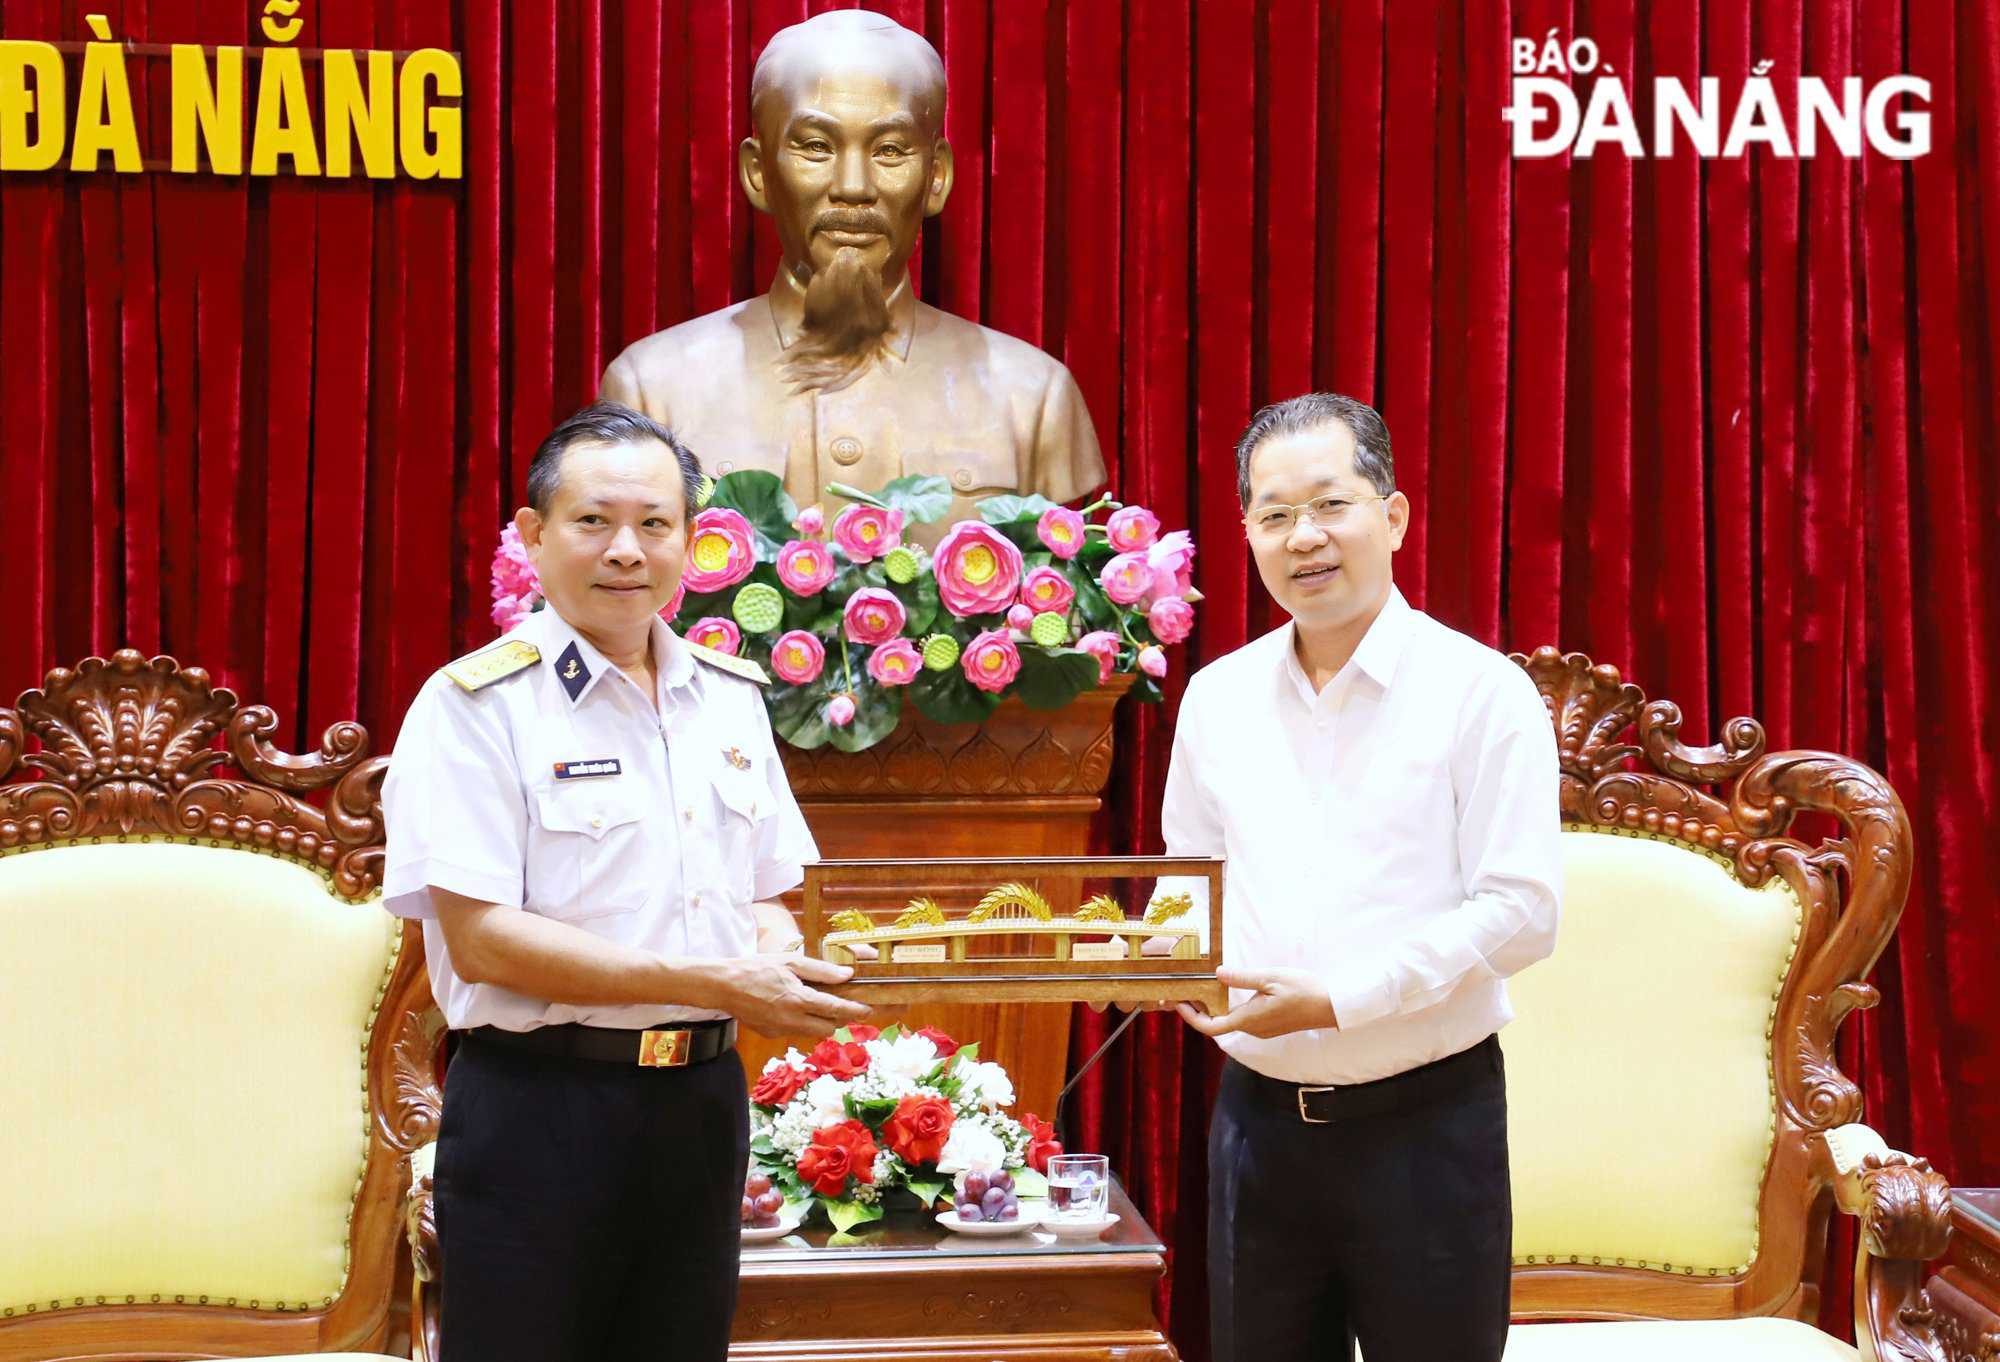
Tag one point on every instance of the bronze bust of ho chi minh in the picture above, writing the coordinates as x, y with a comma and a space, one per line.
839, 374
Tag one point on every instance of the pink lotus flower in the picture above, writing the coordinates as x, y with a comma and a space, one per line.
804, 566
1127, 579
1062, 530
811, 521
895, 663
873, 616
840, 710
1047, 589
673, 605
712, 631
1172, 561
867, 532
990, 660
1020, 617
720, 552
797, 657
1153, 662
978, 569
1101, 644
1132, 528
515, 585
1171, 619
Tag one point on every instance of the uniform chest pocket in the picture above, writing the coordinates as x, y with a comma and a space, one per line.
587, 858
744, 806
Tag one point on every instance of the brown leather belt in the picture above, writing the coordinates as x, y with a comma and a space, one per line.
666, 1047
1319, 1104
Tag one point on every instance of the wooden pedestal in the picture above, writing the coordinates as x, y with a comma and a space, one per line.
1023, 783
910, 1291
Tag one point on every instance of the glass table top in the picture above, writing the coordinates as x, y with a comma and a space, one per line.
920, 1236
1979, 1204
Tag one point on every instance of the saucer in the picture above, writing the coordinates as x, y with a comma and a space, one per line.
1030, 1218
1079, 1229
786, 1224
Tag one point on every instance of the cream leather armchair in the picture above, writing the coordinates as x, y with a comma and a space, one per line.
216, 1049
1681, 1128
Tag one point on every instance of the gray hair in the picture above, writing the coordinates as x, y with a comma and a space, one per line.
607, 424
1311, 411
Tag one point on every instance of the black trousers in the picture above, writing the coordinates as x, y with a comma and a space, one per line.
587, 1211
1393, 1229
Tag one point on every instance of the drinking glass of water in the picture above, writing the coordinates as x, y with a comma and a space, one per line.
1079, 1187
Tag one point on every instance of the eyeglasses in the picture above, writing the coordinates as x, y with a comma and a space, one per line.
1326, 513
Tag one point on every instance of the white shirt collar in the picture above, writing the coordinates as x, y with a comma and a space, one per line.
555, 636
1375, 657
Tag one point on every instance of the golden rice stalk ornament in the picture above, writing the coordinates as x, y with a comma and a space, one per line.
922, 912
1102, 908
1012, 900
851, 920
1167, 907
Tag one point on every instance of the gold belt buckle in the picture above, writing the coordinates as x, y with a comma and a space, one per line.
663, 1049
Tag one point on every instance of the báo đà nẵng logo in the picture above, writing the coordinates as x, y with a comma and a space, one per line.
331, 112
1565, 99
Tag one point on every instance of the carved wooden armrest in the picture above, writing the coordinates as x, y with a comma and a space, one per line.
420, 1223
1905, 1213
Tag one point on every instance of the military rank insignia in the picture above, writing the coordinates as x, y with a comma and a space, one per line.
735, 758
479, 670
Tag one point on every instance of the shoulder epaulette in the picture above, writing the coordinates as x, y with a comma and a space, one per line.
735, 666
477, 671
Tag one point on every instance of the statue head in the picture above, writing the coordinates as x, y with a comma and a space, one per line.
848, 157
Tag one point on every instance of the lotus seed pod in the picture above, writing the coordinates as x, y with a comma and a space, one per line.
903, 565
758, 608
940, 652
1049, 629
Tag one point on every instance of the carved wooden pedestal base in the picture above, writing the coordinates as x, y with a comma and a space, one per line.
914, 1292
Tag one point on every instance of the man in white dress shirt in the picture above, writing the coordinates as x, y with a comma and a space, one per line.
1384, 789
591, 819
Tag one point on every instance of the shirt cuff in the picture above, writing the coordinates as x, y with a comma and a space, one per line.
1360, 993
406, 888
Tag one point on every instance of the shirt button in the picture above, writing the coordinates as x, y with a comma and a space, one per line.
845, 450
597, 820
688, 813
697, 899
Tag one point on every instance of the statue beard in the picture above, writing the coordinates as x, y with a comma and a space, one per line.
846, 311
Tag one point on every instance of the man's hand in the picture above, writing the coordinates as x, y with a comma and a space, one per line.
1283, 1001
769, 993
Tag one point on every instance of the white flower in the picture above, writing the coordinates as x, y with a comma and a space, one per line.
825, 1099
791, 1059
971, 1149
985, 1085
909, 1056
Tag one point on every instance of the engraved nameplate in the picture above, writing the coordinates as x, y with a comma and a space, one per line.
918, 953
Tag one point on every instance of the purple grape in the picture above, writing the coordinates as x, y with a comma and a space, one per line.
749, 1210
770, 1202
969, 1210
1003, 1179
975, 1186
994, 1199
1011, 1211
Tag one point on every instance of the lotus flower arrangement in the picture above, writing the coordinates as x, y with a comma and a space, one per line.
870, 1113
1032, 599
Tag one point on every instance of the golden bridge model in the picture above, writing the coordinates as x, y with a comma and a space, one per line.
1008, 940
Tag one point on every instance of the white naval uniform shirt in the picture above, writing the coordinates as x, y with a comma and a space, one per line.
666, 855
1396, 834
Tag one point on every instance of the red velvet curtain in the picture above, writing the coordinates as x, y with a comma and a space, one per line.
1726, 424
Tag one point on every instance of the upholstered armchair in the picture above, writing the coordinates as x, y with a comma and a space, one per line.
1681, 1128
216, 1049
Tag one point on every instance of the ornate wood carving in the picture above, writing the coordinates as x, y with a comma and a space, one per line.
1016, 751
993, 1307
1625, 765
127, 749
131, 746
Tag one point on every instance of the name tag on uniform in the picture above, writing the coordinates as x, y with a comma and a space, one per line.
582, 770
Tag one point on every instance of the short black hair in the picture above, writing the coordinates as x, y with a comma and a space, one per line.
1310, 411
607, 423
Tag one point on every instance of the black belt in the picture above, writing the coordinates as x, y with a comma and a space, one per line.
1319, 1104
663, 1047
